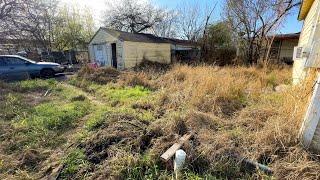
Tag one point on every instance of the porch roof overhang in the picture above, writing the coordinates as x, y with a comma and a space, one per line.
304, 9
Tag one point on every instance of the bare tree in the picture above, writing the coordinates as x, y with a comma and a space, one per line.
168, 26
131, 16
254, 20
191, 20
204, 41
7, 7
33, 20
8, 10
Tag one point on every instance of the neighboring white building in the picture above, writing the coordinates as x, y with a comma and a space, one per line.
124, 50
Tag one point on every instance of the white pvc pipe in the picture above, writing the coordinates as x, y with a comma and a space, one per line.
179, 161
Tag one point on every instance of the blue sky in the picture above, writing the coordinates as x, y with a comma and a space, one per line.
291, 25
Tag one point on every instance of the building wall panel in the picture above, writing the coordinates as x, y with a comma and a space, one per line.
306, 39
135, 52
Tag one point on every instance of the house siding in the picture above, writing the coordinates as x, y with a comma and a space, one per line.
135, 52
309, 25
306, 39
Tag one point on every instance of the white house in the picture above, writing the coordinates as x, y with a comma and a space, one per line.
306, 54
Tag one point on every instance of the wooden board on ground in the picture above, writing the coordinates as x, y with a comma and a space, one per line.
176, 146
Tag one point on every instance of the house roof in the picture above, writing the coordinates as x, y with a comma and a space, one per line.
143, 37
287, 36
304, 9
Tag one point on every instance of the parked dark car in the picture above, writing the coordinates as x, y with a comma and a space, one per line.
13, 67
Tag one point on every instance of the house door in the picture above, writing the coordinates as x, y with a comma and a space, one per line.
100, 53
114, 55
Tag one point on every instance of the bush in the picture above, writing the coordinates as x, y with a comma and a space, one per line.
152, 67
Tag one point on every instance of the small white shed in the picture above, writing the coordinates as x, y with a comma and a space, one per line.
124, 50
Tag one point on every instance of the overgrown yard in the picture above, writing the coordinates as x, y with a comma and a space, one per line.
110, 125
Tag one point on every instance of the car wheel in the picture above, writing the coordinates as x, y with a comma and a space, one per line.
47, 73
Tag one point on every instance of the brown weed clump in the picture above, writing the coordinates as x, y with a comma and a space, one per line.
136, 79
152, 67
101, 75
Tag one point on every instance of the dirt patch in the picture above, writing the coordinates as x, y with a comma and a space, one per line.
121, 131
79, 98
228, 106
143, 106
97, 148
179, 126
34, 98
30, 159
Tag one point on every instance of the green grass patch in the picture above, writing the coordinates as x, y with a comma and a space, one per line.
97, 117
142, 114
12, 106
74, 162
145, 167
36, 85
124, 94
44, 124
57, 116
88, 86
192, 175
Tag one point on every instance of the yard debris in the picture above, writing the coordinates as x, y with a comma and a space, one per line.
46, 93
251, 165
172, 150
281, 88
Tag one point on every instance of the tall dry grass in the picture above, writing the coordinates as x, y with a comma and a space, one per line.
234, 112
252, 119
